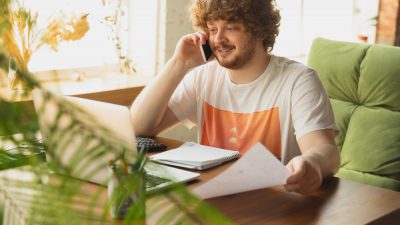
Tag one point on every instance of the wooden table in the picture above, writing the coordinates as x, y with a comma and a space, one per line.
337, 202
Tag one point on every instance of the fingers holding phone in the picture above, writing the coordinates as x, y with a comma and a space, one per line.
190, 49
206, 51
205, 48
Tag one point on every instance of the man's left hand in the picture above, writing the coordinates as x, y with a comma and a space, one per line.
306, 175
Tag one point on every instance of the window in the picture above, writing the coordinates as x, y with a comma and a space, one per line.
303, 21
95, 49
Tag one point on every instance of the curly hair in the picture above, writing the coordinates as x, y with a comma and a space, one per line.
260, 17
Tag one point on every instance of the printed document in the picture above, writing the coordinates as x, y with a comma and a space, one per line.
257, 169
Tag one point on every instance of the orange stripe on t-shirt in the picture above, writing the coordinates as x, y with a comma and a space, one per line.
240, 131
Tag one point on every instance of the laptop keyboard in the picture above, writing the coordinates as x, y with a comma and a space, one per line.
153, 181
148, 144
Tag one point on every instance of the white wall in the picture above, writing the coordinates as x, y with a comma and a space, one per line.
143, 30
174, 24
155, 28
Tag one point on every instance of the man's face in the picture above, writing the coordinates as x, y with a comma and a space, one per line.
232, 45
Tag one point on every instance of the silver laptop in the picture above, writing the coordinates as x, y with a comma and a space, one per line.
116, 119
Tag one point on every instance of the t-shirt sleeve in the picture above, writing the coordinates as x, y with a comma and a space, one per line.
311, 108
183, 101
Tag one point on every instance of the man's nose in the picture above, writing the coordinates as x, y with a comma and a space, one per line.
219, 37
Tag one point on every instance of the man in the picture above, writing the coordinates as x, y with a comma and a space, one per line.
246, 94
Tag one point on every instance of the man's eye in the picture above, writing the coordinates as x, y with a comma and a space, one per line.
231, 28
212, 30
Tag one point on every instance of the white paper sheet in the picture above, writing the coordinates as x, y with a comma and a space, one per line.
257, 169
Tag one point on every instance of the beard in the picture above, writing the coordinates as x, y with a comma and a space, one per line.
237, 60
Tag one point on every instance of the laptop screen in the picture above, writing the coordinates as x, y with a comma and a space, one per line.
88, 158
79, 147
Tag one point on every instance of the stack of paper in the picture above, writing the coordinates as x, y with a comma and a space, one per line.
195, 156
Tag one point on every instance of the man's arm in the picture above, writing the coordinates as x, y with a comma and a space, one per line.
150, 112
320, 158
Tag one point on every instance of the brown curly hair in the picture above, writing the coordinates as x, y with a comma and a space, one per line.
260, 17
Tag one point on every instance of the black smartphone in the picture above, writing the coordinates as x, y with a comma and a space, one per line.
206, 51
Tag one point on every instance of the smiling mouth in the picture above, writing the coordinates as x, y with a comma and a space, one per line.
225, 50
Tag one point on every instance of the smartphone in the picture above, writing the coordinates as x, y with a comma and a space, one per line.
206, 51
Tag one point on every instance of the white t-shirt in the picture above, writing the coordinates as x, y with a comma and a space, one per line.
277, 109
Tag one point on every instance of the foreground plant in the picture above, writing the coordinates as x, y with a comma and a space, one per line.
41, 195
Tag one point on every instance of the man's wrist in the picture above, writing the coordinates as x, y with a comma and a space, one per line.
326, 157
315, 162
182, 65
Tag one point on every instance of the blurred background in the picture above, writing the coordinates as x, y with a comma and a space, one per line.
146, 32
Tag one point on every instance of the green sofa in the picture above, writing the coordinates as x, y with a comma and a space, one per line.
363, 83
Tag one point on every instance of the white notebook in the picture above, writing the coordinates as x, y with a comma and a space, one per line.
195, 156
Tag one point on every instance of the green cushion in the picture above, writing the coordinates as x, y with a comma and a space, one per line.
338, 65
379, 83
342, 111
372, 142
370, 179
363, 83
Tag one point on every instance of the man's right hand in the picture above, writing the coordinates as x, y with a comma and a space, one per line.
150, 112
188, 49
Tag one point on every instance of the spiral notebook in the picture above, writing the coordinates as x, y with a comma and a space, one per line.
195, 156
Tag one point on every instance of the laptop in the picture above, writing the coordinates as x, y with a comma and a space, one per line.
115, 118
